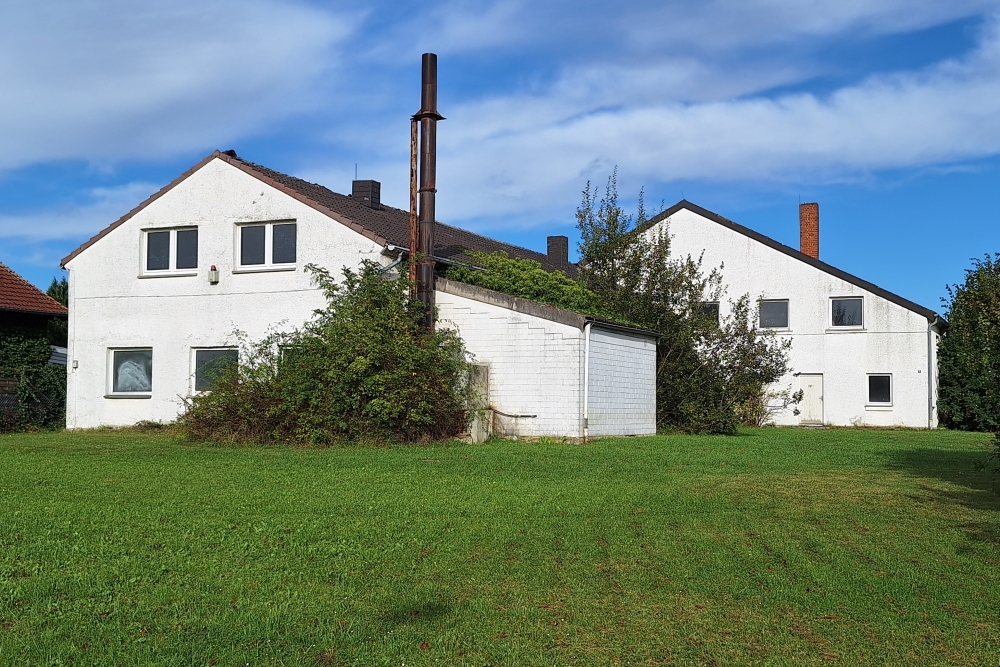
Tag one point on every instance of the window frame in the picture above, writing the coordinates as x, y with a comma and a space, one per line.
194, 363
788, 315
846, 327
110, 379
704, 306
268, 265
171, 270
869, 403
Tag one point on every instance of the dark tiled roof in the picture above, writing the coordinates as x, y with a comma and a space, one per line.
393, 224
18, 295
383, 225
792, 252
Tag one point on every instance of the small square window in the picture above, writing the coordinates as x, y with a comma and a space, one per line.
880, 389
848, 312
132, 371
710, 310
170, 251
774, 314
209, 365
267, 244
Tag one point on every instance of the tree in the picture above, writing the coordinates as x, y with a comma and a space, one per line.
709, 370
969, 353
59, 290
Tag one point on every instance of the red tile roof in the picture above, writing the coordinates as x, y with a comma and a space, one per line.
17, 294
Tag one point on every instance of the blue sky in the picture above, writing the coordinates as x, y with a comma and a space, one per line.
886, 112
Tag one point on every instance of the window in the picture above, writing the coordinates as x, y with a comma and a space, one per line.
170, 251
132, 371
880, 389
710, 309
848, 312
209, 366
267, 244
774, 314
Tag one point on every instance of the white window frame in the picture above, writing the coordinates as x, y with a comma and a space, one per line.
788, 315
110, 379
849, 327
171, 271
194, 363
268, 265
892, 392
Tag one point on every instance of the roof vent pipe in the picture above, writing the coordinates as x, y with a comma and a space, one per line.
427, 118
809, 229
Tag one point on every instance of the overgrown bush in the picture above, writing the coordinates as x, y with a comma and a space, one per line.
41, 387
969, 353
361, 369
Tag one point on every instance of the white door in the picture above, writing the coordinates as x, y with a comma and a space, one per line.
811, 407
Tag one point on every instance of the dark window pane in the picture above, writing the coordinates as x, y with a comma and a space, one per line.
133, 371
774, 314
187, 249
209, 366
252, 245
283, 244
711, 311
157, 251
880, 389
847, 312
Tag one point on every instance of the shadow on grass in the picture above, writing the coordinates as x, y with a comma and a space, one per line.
415, 612
975, 483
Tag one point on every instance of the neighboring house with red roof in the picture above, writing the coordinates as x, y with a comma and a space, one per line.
156, 297
22, 302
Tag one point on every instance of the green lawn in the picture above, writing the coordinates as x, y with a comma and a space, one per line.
776, 547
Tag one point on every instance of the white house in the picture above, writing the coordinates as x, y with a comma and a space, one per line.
156, 297
861, 355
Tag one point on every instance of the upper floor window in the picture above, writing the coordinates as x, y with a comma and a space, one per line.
848, 312
266, 244
774, 314
169, 251
710, 310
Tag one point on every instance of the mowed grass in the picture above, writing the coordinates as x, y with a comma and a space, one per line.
775, 547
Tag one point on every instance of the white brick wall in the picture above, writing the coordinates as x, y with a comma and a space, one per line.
622, 386
536, 365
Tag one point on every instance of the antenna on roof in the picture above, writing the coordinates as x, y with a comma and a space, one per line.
355, 171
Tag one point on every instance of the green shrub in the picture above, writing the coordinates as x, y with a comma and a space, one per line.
362, 369
41, 387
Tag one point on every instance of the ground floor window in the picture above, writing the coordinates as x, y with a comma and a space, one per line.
132, 371
880, 389
209, 364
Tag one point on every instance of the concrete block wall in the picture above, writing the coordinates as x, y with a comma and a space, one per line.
622, 384
535, 365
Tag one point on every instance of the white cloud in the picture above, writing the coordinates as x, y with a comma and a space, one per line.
518, 155
115, 80
77, 221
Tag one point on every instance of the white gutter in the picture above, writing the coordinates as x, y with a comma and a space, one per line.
586, 380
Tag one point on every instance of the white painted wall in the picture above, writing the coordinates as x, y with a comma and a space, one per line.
535, 364
621, 394
112, 307
894, 339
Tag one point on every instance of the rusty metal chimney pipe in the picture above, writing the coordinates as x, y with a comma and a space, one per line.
414, 230
428, 117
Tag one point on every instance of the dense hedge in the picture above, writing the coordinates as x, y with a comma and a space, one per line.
41, 389
362, 369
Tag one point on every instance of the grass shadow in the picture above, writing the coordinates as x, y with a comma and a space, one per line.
415, 612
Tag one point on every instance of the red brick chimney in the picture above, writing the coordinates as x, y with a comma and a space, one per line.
809, 229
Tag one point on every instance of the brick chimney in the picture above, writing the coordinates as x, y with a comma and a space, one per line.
809, 229
558, 251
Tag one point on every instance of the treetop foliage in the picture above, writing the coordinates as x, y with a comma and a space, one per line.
969, 353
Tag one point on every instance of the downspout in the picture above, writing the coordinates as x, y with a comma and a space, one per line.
586, 380
930, 372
